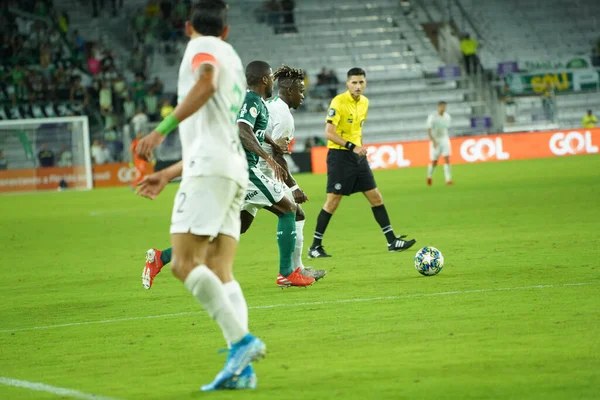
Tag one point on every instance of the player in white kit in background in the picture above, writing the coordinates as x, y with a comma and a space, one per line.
439, 142
205, 225
281, 128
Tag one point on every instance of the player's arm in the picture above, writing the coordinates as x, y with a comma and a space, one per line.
251, 144
206, 71
299, 195
331, 134
428, 125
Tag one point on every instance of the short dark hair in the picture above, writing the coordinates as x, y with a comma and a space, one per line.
442, 102
209, 17
255, 71
356, 71
287, 76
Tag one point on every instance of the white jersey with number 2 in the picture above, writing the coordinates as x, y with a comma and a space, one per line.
209, 138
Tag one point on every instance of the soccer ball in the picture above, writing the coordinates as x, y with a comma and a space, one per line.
429, 261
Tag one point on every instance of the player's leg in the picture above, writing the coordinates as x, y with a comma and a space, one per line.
247, 217
433, 156
445, 152
285, 209
297, 256
155, 260
365, 183
340, 180
202, 207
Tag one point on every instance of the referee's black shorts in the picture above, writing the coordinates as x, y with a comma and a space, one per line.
348, 173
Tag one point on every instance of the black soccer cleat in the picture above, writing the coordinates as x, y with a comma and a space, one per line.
317, 252
400, 244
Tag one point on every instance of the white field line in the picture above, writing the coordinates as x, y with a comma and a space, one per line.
306, 304
42, 387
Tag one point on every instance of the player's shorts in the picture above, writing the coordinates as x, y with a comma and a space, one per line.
443, 149
208, 206
347, 173
262, 192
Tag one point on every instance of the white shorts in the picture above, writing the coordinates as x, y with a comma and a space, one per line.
208, 206
263, 191
443, 149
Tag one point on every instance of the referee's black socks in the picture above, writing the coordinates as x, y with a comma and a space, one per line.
382, 218
322, 222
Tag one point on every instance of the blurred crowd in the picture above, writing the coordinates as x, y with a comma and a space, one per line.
279, 14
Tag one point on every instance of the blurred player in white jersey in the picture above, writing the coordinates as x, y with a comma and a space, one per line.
205, 224
290, 82
437, 129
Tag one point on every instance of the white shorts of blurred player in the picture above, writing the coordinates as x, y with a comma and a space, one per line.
264, 191
208, 206
443, 149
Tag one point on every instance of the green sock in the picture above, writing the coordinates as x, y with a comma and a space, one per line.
165, 256
286, 240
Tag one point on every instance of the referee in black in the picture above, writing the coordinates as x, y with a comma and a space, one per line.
348, 170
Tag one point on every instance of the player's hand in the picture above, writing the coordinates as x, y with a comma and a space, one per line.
435, 143
284, 145
280, 173
299, 196
361, 151
152, 185
147, 144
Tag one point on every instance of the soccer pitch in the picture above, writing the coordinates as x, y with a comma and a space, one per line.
514, 314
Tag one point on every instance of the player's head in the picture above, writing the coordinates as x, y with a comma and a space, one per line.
357, 81
590, 113
441, 107
291, 85
259, 77
209, 18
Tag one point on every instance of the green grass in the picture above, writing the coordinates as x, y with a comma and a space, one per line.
77, 257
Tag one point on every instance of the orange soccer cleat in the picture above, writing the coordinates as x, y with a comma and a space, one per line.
429, 181
152, 268
294, 279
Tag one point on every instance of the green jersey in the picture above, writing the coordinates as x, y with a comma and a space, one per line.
254, 113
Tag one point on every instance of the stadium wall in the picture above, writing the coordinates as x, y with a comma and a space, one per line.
474, 149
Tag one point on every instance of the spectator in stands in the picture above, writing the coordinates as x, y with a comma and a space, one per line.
157, 87
93, 65
100, 154
61, 82
332, 82
468, 47
589, 120
288, 19
322, 84
139, 90
66, 157
78, 42
128, 108
96, 3
3, 161
105, 96
140, 121
46, 156
79, 95
273, 10
137, 62
151, 104
152, 9
63, 22
166, 108
120, 92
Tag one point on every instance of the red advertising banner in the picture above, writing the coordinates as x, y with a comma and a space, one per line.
473, 149
106, 175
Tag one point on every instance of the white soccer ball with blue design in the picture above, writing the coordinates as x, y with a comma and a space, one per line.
429, 261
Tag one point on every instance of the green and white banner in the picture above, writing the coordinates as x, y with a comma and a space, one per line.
564, 81
561, 63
